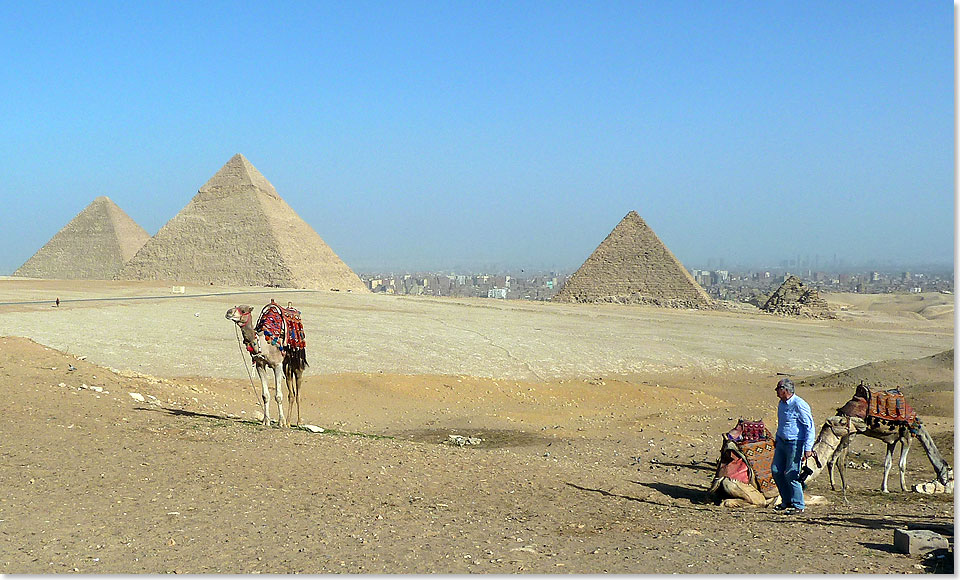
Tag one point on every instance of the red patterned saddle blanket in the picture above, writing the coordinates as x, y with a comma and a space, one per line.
282, 327
747, 455
889, 405
759, 454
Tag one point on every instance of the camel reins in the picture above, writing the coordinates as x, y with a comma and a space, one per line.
242, 350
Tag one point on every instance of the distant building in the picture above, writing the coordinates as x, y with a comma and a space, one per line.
497, 293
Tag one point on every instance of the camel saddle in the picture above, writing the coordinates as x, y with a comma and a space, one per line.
746, 455
282, 327
889, 405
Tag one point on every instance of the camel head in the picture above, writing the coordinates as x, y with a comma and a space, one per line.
843, 426
239, 314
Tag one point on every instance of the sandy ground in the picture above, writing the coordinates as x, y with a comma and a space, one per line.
599, 430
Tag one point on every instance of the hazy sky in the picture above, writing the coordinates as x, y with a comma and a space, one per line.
472, 134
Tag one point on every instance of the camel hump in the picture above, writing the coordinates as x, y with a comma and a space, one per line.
855, 407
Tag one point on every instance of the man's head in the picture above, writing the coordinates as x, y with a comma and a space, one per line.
785, 389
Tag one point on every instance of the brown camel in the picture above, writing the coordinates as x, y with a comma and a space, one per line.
739, 494
891, 433
287, 364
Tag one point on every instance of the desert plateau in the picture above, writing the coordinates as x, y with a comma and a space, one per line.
459, 435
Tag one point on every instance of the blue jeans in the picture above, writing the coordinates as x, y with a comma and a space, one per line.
787, 458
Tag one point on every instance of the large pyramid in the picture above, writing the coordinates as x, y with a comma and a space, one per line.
237, 231
632, 266
93, 246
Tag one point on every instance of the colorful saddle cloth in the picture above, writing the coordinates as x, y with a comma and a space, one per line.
282, 327
889, 405
747, 455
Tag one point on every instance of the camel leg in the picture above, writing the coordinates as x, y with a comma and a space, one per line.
741, 494
280, 383
297, 375
264, 394
837, 460
293, 388
842, 463
887, 464
904, 449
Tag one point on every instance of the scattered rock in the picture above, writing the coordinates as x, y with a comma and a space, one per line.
934, 487
314, 428
918, 541
137, 397
461, 441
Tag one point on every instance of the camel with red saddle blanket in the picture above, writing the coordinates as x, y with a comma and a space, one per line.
276, 341
890, 419
743, 477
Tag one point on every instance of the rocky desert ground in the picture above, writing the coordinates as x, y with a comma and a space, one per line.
131, 442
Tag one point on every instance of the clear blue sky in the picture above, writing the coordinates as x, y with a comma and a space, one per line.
517, 134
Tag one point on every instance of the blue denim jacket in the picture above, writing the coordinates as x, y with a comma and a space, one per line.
795, 422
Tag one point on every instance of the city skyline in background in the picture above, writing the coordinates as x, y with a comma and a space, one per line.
432, 136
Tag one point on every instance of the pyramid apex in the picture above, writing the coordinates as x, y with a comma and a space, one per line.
238, 173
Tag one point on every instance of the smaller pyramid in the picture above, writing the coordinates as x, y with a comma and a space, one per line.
794, 299
632, 266
238, 231
93, 246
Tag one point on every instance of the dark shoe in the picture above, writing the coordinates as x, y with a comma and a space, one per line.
780, 507
793, 511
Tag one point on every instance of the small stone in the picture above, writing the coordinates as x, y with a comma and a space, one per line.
137, 397
918, 541
314, 428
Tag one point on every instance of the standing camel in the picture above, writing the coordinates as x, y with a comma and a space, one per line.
276, 342
889, 419
892, 433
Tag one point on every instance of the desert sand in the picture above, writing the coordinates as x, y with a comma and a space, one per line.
599, 427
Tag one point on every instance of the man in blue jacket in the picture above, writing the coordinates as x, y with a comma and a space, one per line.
795, 436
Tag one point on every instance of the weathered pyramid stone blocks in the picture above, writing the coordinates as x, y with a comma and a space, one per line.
795, 299
238, 231
92, 246
632, 266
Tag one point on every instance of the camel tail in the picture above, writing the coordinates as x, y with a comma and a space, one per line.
937, 460
296, 359
302, 358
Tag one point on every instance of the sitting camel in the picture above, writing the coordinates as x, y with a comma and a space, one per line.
736, 493
892, 424
271, 346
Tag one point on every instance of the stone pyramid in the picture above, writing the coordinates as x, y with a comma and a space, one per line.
632, 266
793, 298
93, 246
237, 231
